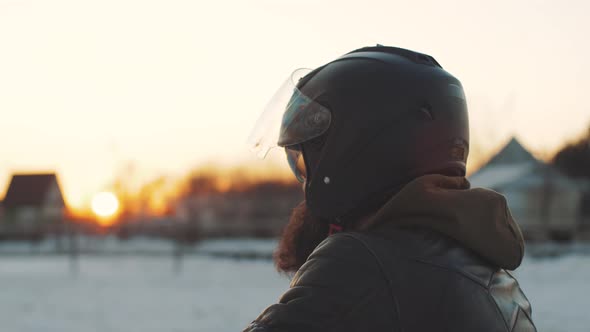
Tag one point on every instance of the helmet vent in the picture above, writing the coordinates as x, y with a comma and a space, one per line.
425, 113
424, 59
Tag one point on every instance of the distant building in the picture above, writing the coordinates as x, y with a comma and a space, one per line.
545, 203
33, 205
261, 211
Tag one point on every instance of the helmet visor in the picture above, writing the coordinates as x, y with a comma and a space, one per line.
289, 118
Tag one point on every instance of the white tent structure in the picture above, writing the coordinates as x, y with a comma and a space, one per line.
545, 203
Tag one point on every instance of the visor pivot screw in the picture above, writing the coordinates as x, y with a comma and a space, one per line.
327, 180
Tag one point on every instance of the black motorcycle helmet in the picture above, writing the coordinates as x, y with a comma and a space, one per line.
360, 127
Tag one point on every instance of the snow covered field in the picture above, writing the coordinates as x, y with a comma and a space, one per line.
146, 293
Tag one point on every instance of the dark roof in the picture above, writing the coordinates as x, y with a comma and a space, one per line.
28, 189
512, 153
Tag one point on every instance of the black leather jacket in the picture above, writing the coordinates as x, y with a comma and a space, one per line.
413, 280
433, 258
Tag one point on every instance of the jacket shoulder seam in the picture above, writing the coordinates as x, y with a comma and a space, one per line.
389, 282
455, 270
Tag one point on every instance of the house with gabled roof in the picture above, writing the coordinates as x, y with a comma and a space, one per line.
545, 202
33, 205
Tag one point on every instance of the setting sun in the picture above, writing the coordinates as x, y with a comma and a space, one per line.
105, 204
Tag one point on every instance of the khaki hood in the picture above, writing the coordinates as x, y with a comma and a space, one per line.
479, 218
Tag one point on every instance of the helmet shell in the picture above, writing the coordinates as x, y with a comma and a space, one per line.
396, 115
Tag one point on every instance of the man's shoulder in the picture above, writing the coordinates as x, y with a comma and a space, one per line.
339, 288
405, 247
425, 264
338, 259
361, 255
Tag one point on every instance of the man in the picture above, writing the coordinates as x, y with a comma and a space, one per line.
389, 237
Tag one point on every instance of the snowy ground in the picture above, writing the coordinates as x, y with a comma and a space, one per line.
146, 293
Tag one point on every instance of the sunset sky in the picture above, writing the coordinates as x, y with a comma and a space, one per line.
88, 86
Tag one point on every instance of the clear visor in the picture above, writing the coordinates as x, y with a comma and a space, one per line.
289, 118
